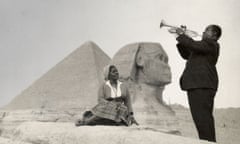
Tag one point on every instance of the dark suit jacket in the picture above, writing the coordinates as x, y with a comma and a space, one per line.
200, 70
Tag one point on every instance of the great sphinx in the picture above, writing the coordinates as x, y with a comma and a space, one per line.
144, 67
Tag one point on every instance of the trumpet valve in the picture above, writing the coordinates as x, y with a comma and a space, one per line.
172, 30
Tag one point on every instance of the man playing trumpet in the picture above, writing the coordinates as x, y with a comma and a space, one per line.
200, 78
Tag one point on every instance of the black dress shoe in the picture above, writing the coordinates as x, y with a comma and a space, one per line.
79, 123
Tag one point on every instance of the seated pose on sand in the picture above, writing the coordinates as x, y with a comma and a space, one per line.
114, 103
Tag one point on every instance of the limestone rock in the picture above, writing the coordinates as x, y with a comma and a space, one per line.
9, 120
55, 133
10, 141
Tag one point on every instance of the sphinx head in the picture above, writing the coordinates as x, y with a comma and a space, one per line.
152, 65
143, 63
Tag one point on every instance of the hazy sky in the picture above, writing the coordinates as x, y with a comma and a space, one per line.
37, 34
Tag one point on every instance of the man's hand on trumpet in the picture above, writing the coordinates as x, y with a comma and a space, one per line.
181, 30
178, 31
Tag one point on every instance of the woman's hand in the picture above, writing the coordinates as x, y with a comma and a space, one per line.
132, 120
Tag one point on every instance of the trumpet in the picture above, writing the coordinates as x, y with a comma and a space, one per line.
173, 29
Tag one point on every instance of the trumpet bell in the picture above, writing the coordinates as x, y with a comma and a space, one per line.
162, 23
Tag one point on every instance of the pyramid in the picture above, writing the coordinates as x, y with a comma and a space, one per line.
72, 83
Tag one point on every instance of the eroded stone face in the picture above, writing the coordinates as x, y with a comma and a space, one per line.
143, 62
152, 65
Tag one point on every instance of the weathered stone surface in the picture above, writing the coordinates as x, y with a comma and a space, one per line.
227, 123
10, 141
57, 133
72, 83
11, 119
144, 66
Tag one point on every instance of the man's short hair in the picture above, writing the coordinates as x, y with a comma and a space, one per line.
217, 29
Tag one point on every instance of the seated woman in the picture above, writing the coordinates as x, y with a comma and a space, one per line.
114, 104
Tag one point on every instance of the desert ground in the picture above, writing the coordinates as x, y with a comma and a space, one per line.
227, 123
227, 126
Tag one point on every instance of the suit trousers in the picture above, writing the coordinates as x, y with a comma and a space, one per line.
201, 102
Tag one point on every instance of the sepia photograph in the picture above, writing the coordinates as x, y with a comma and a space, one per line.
119, 71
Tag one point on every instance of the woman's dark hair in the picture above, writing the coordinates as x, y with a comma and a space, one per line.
110, 68
217, 29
